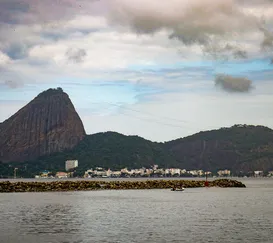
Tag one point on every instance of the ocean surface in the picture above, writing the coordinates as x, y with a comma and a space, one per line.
195, 215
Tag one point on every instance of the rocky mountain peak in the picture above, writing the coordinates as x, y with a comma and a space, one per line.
47, 124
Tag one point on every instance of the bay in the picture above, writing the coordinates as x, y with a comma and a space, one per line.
195, 215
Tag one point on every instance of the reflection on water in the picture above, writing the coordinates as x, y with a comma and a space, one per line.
195, 215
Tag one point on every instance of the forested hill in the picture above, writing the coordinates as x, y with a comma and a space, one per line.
108, 150
238, 148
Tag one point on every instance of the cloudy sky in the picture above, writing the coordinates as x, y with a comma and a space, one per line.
157, 69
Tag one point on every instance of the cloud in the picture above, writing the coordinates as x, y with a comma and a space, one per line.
209, 24
13, 84
223, 51
4, 59
76, 55
110, 50
56, 43
201, 22
233, 84
41, 12
267, 43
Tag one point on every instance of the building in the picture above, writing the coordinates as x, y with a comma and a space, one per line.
258, 173
71, 164
224, 172
45, 174
61, 175
175, 171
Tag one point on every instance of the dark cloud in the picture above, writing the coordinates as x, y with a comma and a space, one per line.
240, 54
76, 55
17, 51
224, 52
233, 84
201, 22
13, 84
42, 11
10, 10
267, 43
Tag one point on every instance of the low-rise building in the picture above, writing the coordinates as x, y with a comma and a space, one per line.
45, 174
223, 173
175, 171
258, 173
61, 175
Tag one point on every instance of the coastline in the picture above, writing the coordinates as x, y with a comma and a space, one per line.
85, 185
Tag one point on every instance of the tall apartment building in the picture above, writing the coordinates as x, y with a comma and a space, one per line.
71, 164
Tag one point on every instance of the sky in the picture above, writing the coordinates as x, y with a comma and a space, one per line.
157, 69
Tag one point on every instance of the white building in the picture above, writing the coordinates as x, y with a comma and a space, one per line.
71, 164
175, 171
108, 173
224, 172
258, 173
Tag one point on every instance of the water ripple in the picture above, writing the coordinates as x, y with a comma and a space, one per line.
195, 215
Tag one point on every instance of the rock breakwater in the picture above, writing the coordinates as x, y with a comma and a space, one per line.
8, 186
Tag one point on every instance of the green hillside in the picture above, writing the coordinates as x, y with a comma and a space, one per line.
238, 148
108, 150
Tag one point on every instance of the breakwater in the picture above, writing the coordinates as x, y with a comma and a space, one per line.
67, 185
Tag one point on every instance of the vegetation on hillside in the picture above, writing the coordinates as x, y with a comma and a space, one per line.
238, 148
108, 150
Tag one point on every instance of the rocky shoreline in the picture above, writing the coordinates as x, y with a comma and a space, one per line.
8, 186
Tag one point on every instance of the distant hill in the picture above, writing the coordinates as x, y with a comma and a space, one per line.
48, 124
238, 148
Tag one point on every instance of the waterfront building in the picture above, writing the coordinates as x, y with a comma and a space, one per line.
175, 171
61, 175
258, 173
224, 172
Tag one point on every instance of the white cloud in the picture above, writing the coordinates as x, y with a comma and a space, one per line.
113, 50
4, 59
86, 22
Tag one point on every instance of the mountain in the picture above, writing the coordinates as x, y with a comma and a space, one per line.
107, 150
238, 148
48, 131
48, 124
